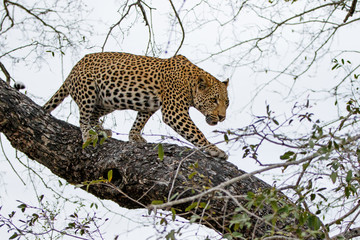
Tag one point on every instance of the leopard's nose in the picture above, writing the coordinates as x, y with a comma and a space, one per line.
221, 118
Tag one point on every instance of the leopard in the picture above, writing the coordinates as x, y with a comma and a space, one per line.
106, 81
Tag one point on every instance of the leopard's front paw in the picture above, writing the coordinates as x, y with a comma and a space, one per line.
214, 151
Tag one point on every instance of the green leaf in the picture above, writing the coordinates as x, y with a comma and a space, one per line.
335, 66
321, 189
311, 144
274, 206
174, 196
196, 164
161, 152
163, 221
157, 202
226, 138
192, 175
103, 139
335, 165
95, 142
309, 186
333, 176
110, 175
192, 206
268, 217
228, 235
194, 217
347, 192
275, 121
287, 155
22, 207
236, 234
314, 222
14, 236
92, 132
349, 176
284, 209
170, 235
312, 196
173, 214
93, 205
305, 166
204, 205
342, 123
86, 144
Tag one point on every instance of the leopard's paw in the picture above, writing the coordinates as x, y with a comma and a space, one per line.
214, 151
133, 137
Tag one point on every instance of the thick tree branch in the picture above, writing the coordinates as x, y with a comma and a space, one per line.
139, 176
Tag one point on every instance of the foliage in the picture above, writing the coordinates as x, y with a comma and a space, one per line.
94, 138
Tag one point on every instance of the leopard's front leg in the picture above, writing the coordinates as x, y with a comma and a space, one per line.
140, 121
180, 121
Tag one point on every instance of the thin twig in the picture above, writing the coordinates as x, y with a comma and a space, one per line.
346, 215
143, 13
181, 26
7, 159
6, 73
116, 24
221, 186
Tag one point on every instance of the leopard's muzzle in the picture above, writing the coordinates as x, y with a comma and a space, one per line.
214, 119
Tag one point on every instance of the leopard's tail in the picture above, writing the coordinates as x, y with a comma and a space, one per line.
57, 98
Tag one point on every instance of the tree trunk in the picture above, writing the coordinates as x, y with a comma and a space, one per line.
139, 175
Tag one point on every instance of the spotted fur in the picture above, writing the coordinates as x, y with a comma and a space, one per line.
103, 82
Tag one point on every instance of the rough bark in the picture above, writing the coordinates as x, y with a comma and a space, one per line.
137, 170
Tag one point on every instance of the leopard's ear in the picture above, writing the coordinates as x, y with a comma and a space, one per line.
203, 82
226, 82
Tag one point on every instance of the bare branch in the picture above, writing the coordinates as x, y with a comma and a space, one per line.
351, 10
138, 4
275, 28
6, 73
143, 12
7, 15
60, 34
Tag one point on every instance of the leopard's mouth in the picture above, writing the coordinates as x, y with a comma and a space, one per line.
211, 120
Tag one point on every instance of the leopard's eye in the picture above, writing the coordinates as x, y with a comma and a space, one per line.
214, 100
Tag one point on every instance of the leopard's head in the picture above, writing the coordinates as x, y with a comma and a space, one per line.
211, 98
